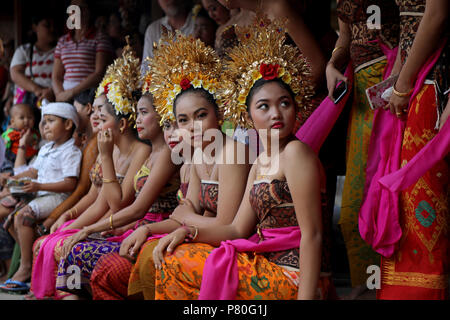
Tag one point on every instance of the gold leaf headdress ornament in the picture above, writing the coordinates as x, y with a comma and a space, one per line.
263, 53
179, 63
121, 79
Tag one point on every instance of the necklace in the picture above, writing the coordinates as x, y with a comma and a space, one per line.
123, 158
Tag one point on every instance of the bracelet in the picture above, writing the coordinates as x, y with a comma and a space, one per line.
190, 237
109, 180
173, 219
111, 226
401, 94
335, 49
22, 147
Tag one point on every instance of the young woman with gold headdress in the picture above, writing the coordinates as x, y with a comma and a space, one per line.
187, 87
282, 200
112, 175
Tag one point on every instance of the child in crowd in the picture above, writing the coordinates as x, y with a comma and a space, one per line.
22, 119
56, 170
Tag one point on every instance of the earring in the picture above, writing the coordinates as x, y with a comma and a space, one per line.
121, 130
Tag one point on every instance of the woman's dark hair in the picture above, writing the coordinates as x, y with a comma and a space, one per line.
36, 18
260, 83
85, 97
200, 91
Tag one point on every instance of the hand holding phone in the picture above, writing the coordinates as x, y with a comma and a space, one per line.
340, 91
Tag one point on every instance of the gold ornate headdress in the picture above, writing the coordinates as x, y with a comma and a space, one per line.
121, 79
263, 53
179, 63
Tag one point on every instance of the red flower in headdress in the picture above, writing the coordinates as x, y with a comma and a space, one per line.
185, 84
106, 88
269, 71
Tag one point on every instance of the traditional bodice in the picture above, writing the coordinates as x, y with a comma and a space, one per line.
364, 46
96, 175
274, 208
208, 196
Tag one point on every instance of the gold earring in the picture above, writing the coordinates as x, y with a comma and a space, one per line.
121, 130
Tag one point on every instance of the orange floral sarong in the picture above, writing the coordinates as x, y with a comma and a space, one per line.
259, 279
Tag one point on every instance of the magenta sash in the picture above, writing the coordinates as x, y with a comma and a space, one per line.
435, 150
43, 274
379, 214
318, 126
220, 274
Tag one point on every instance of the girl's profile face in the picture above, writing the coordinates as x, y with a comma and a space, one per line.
94, 119
195, 115
105, 117
272, 108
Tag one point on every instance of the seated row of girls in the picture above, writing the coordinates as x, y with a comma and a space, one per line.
279, 197
134, 163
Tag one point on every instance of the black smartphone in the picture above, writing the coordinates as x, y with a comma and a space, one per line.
340, 91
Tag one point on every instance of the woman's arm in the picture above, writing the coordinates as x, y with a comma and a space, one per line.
302, 171
229, 198
427, 39
339, 58
117, 195
19, 78
58, 77
161, 172
242, 227
92, 214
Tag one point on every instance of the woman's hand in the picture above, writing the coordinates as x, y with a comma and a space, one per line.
64, 96
444, 115
46, 93
131, 245
333, 77
61, 220
105, 143
399, 105
168, 243
73, 240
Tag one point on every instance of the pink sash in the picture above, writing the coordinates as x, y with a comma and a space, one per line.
220, 274
318, 126
435, 150
379, 214
43, 274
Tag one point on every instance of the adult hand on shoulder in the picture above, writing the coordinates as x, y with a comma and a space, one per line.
132, 244
168, 243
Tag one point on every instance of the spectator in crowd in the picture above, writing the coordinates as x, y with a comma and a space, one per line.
178, 16
204, 27
22, 120
32, 64
81, 57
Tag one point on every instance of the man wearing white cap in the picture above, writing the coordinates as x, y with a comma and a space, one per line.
54, 176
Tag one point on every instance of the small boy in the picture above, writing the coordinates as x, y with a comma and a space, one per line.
56, 168
22, 119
